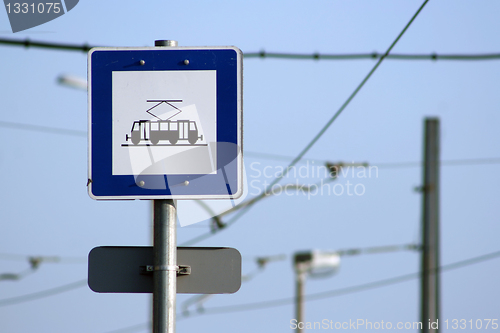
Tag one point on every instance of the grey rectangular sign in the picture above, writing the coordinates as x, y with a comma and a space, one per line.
123, 269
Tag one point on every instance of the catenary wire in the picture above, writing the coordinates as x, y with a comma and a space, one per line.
317, 56
268, 156
411, 164
305, 188
134, 328
324, 294
261, 261
34, 262
321, 132
345, 104
457, 162
375, 55
45, 259
197, 239
16, 276
244, 209
27, 43
40, 128
353, 289
43, 294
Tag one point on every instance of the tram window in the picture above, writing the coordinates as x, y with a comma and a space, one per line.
163, 126
192, 126
155, 126
181, 130
136, 127
173, 126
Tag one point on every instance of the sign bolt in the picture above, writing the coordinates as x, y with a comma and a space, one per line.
142, 62
186, 62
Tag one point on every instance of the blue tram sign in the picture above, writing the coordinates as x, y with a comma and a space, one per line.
165, 123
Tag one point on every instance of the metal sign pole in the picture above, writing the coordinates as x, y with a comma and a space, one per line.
165, 257
199, 76
165, 266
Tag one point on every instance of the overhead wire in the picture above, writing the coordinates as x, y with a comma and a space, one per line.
263, 54
334, 169
34, 263
43, 294
27, 43
378, 249
16, 276
374, 55
261, 262
134, 328
243, 208
299, 157
357, 288
204, 236
219, 225
345, 104
39, 259
410, 164
277, 157
85, 47
326, 294
352, 289
247, 207
332, 174
41, 128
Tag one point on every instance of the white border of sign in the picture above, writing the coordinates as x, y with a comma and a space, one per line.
239, 111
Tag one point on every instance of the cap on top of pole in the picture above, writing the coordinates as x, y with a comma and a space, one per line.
165, 42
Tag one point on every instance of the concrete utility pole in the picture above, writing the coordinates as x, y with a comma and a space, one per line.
430, 229
165, 257
300, 279
315, 264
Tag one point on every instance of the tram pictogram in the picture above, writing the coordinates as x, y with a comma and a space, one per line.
164, 131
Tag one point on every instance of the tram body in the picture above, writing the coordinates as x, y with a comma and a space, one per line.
155, 131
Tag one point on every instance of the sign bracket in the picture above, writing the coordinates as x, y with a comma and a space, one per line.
180, 270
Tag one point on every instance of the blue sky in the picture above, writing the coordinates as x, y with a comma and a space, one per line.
46, 210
